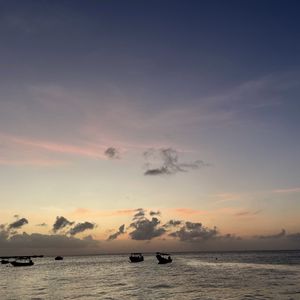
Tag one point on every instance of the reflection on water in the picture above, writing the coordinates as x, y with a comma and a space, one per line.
254, 275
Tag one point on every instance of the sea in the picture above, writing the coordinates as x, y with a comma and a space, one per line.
210, 275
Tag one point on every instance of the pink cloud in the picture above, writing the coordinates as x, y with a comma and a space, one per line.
92, 151
96, 152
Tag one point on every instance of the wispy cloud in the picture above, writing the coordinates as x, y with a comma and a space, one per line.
61, 147
287, 190
168, 162
25, 151
115, 235
247, 213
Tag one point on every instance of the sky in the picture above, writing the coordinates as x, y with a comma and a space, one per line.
149, 126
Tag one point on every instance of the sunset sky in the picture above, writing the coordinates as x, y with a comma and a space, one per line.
117, 117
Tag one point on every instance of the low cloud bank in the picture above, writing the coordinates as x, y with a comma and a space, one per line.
193, 236
14, 243
145, 226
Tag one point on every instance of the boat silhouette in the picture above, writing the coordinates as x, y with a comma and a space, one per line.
22, 262
136, 257
4, 261
58, 258
163, 258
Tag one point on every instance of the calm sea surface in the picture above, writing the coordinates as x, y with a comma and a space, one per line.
246, 275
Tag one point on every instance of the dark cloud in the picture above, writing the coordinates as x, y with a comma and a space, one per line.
60, 223
80, 227
192, 232
112, 153
17, 224
173, 223
154, 213
116, 234
281, 234
168, 162
145, 229
140, 213
158, 171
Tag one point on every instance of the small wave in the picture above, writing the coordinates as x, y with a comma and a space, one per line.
118, 284
161, 286
197, 263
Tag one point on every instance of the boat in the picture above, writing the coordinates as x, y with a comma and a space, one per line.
58, 258
163, 258
4, 261
136, 257
22, 262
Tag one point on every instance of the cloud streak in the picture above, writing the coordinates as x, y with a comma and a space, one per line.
80, 227
117, 234
18, 224
90, 151
287, 191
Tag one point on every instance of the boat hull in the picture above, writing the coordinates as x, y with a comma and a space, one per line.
136, 259
4, 262
163, 260
22, 264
